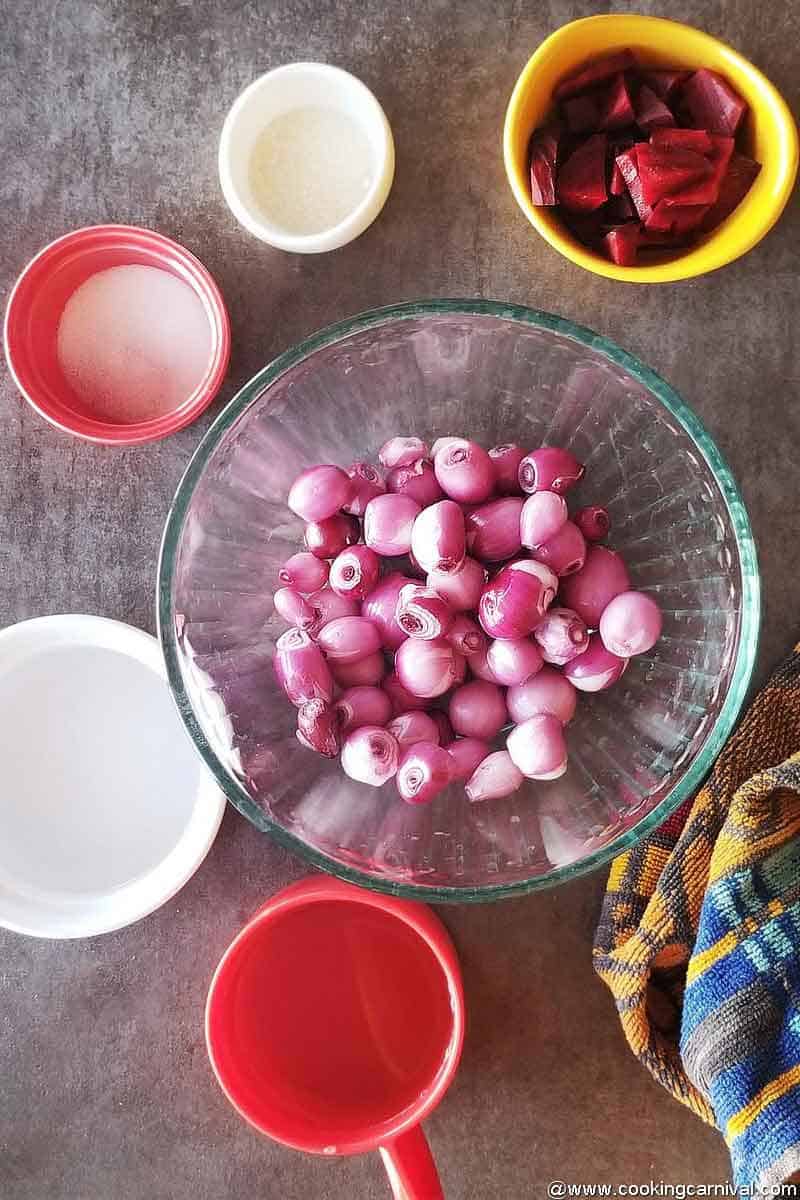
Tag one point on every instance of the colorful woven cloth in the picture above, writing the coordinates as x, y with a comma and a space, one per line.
699, 941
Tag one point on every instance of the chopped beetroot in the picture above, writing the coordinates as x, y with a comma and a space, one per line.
676, 219
711, 103
664, 83
583, 113
544, 162
587, 228
706, 191
650, 111
669, 172
736, 183
622, 244
617, 184
621, 209
617, 108
594, 73
629, 166
581, 183
682, 139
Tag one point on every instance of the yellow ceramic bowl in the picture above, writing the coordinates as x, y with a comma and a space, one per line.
770, 136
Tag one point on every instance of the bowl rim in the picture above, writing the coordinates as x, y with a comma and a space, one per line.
748, 632
699, 260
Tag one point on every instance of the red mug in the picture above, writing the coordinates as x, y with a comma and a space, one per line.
334, 1024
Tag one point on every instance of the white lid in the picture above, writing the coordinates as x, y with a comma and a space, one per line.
106, 810
294, 86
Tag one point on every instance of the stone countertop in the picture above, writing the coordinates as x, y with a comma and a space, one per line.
111, 112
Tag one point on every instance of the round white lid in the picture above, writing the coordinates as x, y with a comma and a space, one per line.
106, 810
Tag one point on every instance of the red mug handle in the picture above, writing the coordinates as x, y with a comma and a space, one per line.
410, 1167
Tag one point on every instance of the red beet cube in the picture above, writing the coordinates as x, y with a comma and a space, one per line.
667, 172
617, 185
629, 166
581, 183
706, 191
617, 108
711, 103
650, 111
674, 218
682, 139
622, 244
594, 73
621, 209
664, 83
544, 162
736, 183
582, 113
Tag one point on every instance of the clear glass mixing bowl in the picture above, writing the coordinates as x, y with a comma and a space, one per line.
496, 373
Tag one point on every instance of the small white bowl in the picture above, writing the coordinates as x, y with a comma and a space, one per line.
106, 809
295, 86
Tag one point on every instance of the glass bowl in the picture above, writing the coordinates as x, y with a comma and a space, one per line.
496, 373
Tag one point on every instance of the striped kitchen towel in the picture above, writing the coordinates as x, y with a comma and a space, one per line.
699, 942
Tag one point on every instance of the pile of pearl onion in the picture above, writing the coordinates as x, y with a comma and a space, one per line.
514, 593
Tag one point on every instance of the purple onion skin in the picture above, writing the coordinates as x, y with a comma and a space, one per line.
596, 669
543, 515
561, 636
422, 613
327, 606
464, 471
365, 672
359, 706
427, 669
291, 606
326, 539
549, 469
477, 709
355, 572
304, 572
593, 522
493, 529
537, 747
417, 480
423, 772
546, 692
466, 635
466, 754
442, 723
442, 443
370, 755
494, 778
402, 699
505, 464
380, 607
388, 521
479, 666
513, 603
320, 492
414, 726
630, 624
401, 451
318, 728
347, 639
513, 660
301, 668
367, 484
438, 539
589, 591
565, 552
462, 588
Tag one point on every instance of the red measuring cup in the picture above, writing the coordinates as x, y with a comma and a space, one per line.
334, 1025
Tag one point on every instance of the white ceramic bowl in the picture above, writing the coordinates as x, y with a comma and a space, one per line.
295, 86
106, 809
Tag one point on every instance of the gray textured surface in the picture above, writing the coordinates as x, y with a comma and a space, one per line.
111, 112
